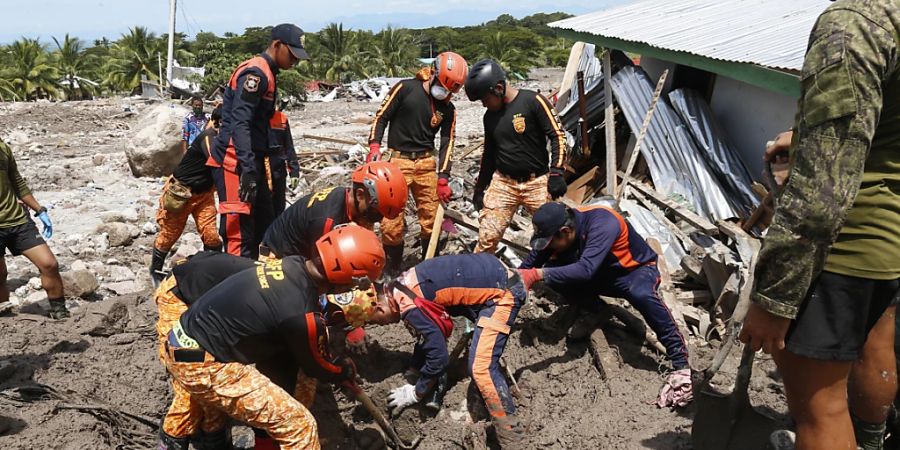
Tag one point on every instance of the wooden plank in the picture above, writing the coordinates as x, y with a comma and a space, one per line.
472, 224
685, 214
610, 124
571, 70
435, 232
626, 180
468, 151
329, 139
605, 356
578, 188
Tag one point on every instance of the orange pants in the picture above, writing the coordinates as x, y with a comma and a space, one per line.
488, 342
184, 415
248, 396
501, 201
421, 177
202, 207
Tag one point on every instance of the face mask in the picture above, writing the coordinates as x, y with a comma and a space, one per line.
198, 111
438, 91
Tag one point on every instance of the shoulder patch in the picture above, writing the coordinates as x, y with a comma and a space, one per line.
251, 83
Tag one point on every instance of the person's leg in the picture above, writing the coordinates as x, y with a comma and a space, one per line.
640, 289
424, 190
500, 203
171, 226
263, 211
42, 257
535, 194
873, 383
279, 189
4, 274
392, 229
816, 392
204, 213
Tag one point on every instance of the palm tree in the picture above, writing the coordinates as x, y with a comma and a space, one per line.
31, 74
340, 55
134, 55
73, 64
396, 52
497, 47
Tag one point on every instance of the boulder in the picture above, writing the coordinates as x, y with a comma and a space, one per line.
127, 215
123, 287
155, 149
79, 283
119, 234
98, 159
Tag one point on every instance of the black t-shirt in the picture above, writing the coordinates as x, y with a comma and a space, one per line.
515, 138
271, 310
202, 271
415, 118
297, 229
192, 170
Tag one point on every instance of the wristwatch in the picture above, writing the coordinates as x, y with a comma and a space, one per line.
42, 210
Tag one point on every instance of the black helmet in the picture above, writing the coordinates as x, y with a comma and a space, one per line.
483, 76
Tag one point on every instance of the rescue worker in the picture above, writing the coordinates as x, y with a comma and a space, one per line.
189, 192
20, 235
828, 272
585, 252
476, 286
378, 190
516, 169
245, 201
194, 123
271, 312
416, 110
189, 280
283, 162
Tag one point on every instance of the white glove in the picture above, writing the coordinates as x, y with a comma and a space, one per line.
677, 392
402, 397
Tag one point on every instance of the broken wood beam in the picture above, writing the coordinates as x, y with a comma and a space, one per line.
626, 180
582, 116
634, 325
462, 220
329, 139
577, 190
605, 356
682, 212
470, 149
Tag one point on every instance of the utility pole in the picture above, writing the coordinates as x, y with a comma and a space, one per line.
171, 56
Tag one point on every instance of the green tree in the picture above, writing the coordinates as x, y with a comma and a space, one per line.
340, 55
136, 54
499, 47
31, 73
396, 53
73, 64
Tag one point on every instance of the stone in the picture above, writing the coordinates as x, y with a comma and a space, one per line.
155, 149
118, 234
34, 283
127, 215
184, 250
79, 283
120, 273
79, 265
123, 287
22, 291
98, 159
35, 297
149, 228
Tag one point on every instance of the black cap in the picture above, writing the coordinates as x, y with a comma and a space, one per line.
292, 36
547, 220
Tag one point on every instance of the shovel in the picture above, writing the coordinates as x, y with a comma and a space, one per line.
379, 418
729, 422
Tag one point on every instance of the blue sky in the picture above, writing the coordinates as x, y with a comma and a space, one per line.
90, 19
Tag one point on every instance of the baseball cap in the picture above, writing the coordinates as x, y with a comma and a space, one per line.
547, 220
292, 36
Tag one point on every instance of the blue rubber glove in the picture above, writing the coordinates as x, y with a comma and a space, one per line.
48, 226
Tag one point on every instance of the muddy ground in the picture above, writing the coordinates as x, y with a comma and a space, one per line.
94, 380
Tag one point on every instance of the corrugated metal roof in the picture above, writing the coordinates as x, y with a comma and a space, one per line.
770, 33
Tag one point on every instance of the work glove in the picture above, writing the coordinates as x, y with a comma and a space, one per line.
374, 152
402, 397
247, 190
295, 181
348, 369
478, 200
443, 189
48, 226
356, 341
556, 185
677, 392
530, 276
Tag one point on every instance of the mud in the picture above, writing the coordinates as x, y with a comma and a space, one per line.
94, 381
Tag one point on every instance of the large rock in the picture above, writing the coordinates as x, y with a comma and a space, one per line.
155, 150
119, 234
79, 283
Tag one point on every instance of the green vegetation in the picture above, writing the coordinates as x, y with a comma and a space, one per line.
30, 69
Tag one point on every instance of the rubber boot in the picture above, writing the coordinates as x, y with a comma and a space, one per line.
436, 399
167, 442
217, 248
217, 440
869, 436
156, 266
509, 432
394, 256
58, 310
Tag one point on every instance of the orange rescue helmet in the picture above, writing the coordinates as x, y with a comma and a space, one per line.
350, 254
386, 186
450, 69
357, 305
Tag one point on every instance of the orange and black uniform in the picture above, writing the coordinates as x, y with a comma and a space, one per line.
297, 229
515, 163
415, 119
282, 162
480, 288
243, 143
610, 258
